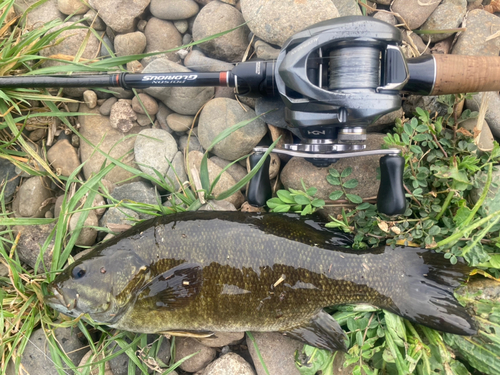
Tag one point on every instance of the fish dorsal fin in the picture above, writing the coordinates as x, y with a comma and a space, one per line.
322, 331
193, 334
174, 288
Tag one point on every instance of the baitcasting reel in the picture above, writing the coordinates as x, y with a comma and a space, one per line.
334, 78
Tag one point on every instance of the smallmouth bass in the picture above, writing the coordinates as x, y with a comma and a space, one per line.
195, 273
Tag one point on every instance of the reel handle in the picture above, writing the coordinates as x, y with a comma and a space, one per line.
259, 188
391, 195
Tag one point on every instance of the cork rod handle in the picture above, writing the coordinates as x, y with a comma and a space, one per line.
461, 74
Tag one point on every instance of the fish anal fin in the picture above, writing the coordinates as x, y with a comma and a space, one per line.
174, 288
322, 331
193, 334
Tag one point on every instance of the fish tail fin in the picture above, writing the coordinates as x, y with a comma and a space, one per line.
426, 293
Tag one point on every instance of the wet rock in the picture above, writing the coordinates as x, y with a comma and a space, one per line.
98, 131
130, 44
161, 35
140, 191
70, 7
31, 241
122, 116
223, 338
31, 199
347, 7
186, 346
229, 47
492, 113
276, 21
225, 181
173, 9
120, 15
150, 105
63, 157
265, 52
448, 15
90, 98
236, 170
153, 147
179, 123
414, 12
473, 41
40, 15
213, 205
105, 108
222, 113
36, 358
229, 364
9, 178
182, 100
277, 353
197, 61
87, 235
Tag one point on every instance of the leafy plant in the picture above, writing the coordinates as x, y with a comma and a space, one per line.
337, 178
296, 201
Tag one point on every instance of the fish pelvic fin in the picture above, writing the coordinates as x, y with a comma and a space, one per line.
193, 334
322, 331
425, 294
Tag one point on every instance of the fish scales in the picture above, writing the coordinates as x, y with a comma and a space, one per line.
207, 272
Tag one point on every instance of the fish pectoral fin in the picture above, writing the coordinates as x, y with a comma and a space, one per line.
174, 288
322, 331
193, 334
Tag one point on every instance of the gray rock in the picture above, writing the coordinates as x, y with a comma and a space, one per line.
430, 103
144, 120
122, 116
186, 346
9, 178
63, 157
473, 41
87, 235
95, 21
213, 205
364, 169
181, 26
385, 121
40, 15
197, 61
121, 93
119, 215
229, 47
194, 144
130, 44
173, 9
416, 45
492, 113
276, 21
229, 364
186, 39
347, 7
36, 358
161, 116
90, 358
176, 175
38, 134
31, 199
31, 241
277, 353
492, 202
161, 35
90, 98
183, 100
222, 113
225, 92
236, 170
225, 182
222, 338
105, 108
485, 141
70, 7
386, 17
106, 47
98, 131
265, 51
140, 191
448, 15
120, 15
150, 105
414, 12
272, 111
119, 364
179, 123
153, 147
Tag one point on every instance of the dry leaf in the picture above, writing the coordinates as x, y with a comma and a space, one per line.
464, 132
396, 230
493, 7
383, 226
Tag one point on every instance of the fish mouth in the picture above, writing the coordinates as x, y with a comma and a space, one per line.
58, 301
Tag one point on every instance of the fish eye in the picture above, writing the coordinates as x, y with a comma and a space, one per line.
78, 272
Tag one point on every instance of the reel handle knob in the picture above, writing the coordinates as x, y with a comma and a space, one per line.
391, 196
259, 188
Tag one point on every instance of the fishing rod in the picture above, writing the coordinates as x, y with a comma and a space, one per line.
332, 80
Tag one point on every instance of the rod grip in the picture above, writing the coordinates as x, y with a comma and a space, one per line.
461, 74
391, 195
259, 188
